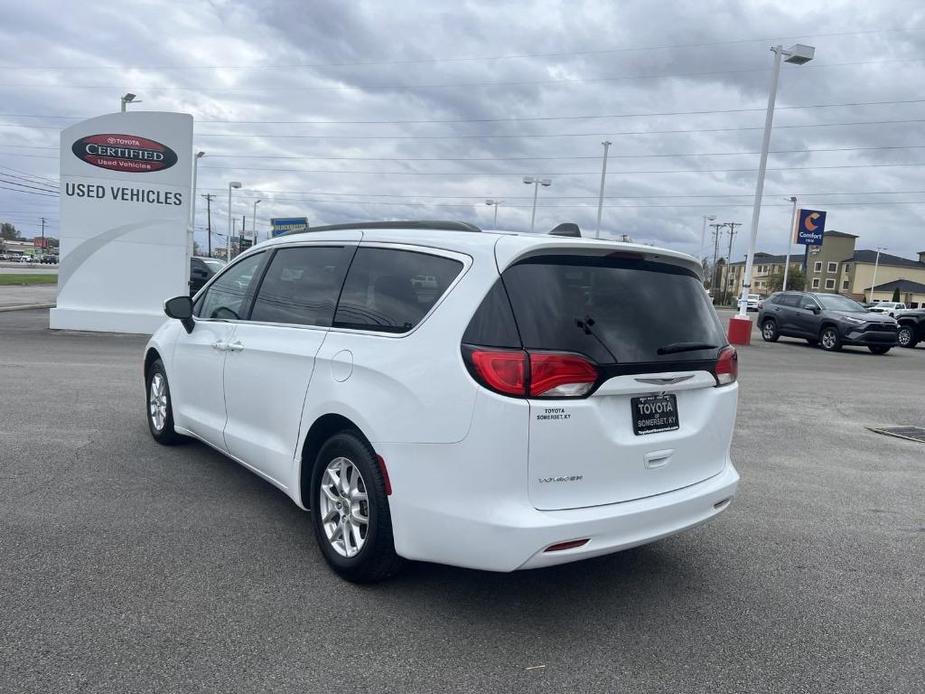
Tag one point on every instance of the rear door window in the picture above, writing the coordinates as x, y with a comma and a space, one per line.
301, 285
391, 290
613, 309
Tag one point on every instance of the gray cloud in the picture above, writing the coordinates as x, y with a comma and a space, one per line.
336, 61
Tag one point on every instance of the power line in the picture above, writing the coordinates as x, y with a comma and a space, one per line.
416, 61
466, 85
511, 119
29, 192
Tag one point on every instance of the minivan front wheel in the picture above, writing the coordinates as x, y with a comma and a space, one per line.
350, 511
829, 339
160, 406
769, 331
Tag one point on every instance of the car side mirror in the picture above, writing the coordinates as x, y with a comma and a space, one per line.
815, 309
181, 308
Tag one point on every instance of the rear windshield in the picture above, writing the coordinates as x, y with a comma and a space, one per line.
614, 310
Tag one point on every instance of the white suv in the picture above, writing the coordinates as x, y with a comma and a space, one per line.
538, 400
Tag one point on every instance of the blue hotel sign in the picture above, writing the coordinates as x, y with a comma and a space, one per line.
811, 227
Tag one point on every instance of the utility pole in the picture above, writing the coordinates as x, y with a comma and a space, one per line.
208, 197
600, 198
732, 233
716, 227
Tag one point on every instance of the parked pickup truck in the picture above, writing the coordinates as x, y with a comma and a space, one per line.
911, 327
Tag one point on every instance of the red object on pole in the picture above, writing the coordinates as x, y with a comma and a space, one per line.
740, 330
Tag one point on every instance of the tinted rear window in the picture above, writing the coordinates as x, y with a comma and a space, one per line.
612, 309
301, 286
392, 290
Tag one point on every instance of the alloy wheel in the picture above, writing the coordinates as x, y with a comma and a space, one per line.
904, 337
829, 338
157, 401
344, 507
768, 330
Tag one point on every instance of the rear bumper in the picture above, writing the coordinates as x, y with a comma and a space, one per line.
513, 535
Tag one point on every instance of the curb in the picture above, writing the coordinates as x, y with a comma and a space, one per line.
25, 307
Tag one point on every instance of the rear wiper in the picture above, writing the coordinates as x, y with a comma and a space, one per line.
676, 347
585, 325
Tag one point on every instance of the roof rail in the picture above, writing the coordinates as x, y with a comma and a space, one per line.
415, 224
566, 229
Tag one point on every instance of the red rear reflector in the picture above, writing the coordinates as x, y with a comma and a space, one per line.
727, 366
385, 475
571, 544
504, 371
564, 375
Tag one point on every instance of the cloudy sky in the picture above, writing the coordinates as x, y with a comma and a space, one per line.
399, 110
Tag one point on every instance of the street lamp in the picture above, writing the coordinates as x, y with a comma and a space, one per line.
254, 220
876, 264
496, 204
192, 207
232, 184
536, 183
129, 98
703, 234
798, 54
600, 198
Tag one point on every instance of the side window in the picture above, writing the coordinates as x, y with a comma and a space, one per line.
301, 285
808, 303
226, 295
493, 324
787, 300
392, 290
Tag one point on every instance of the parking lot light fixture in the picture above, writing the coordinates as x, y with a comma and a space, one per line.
536, 183
129, 98
797, 54
793, 231
496, 204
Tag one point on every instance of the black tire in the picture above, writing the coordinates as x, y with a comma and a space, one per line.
879, 349
906, 337
376, 559
165, 434
812, 341
769, 330
829, 339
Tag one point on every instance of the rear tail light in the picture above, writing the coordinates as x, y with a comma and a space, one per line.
561, 375
504, 371
727, 366
532, 374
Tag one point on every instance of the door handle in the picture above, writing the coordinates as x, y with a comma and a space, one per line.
235, 346
220, 346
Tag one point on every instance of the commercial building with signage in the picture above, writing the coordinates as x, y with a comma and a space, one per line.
837, 267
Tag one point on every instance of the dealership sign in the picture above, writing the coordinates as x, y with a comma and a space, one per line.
124, 153
811, 227
125, 197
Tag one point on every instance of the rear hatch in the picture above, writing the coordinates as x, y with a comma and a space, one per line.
654, 419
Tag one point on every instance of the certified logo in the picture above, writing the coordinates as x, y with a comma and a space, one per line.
128, 153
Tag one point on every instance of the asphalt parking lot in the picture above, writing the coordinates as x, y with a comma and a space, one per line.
129, 567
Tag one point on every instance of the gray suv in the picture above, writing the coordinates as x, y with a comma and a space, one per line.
829, 320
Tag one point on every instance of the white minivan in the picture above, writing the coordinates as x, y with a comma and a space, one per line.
540, 399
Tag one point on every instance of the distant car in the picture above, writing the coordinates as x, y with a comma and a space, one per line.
888, 307
26, 259
828, 320
911, 327
752, 303
201, 270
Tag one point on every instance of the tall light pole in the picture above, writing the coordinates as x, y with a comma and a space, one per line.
876, 264
703, 234
254, 220
496, 204
797, 54
600, 197
192, 205
232, 184
793, 231
129, 98
536, 183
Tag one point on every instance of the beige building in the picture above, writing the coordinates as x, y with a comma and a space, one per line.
838, 268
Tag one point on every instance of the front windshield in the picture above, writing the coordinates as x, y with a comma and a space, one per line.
834, 302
